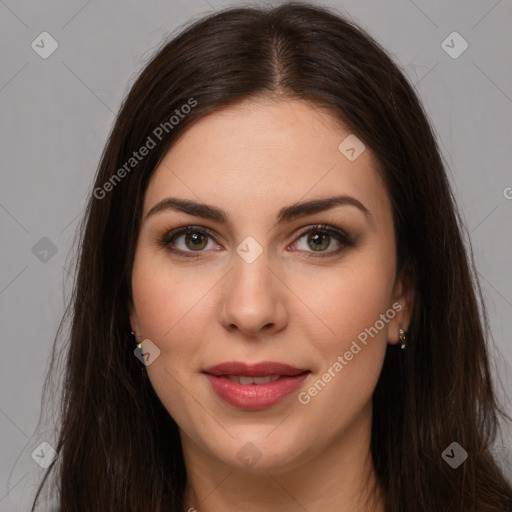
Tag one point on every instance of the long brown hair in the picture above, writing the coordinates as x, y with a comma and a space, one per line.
119, 449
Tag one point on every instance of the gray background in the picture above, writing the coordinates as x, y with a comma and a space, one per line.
57, 112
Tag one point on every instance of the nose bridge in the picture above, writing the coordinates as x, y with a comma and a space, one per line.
252, 271
252, 298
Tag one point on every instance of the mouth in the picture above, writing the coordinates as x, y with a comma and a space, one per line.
254, 386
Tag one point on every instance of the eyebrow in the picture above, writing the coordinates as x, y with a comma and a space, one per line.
286, 214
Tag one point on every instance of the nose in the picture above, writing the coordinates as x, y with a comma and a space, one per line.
253, 298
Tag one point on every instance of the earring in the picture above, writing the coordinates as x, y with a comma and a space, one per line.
403, 338
139, 343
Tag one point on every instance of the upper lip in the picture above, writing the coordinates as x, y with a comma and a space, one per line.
253, 370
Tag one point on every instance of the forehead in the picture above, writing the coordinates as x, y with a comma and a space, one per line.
265, 152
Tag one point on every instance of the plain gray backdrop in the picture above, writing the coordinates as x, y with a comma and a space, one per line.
58, 108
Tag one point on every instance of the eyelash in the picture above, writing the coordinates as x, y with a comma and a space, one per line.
341, 236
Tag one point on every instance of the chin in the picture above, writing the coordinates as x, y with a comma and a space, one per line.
260, 451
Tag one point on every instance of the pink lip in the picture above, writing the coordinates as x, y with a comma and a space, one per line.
254, 396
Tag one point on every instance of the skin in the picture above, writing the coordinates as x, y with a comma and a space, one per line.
251, 160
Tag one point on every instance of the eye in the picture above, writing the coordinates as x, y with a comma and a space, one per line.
320, 237
189, 241
194, 240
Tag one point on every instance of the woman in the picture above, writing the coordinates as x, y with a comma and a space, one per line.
274, 308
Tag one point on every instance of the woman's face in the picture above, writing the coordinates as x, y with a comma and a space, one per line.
259, 281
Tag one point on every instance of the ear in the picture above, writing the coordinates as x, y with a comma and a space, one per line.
402, 304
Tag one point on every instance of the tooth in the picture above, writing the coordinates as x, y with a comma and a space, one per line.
266, 380
262, 380
246, 380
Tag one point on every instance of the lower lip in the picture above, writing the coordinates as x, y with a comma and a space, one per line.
255, 396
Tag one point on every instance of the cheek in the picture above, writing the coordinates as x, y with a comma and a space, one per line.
168, 304
167, 299
351, 350
347, 301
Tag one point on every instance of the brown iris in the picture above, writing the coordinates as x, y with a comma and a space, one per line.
196, 238
321, 240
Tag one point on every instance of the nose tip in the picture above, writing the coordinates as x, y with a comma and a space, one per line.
251, 322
